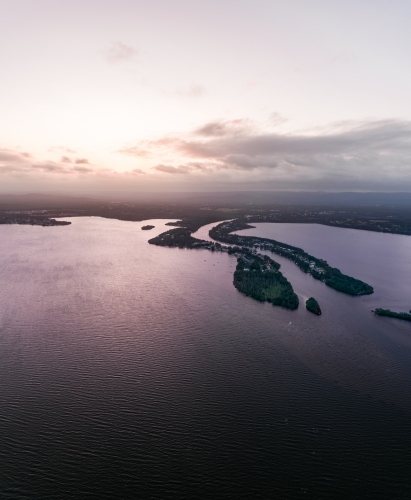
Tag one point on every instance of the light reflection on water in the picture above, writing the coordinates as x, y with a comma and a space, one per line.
130, 370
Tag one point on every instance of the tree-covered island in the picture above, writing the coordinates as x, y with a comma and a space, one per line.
147, 227
259, 277
318, 268
392, 314
313, 306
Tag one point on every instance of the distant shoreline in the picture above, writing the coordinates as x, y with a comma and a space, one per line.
33, 221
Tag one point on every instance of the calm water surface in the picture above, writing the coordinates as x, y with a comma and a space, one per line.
134, 371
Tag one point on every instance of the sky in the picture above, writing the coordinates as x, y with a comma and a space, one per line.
102, 96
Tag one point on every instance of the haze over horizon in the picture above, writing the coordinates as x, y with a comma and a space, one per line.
129, 96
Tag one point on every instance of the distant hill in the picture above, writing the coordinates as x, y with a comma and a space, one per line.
241, 198
38, 201
34, 201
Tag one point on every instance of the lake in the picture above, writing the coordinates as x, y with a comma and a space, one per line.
135, 371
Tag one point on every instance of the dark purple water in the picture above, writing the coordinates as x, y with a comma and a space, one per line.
134, 371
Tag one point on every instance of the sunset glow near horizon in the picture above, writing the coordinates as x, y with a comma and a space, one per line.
126, 96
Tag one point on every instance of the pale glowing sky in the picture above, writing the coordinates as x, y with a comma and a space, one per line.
175, 95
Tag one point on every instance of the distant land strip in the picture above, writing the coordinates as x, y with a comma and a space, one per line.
34, 221
378, 212
392, 314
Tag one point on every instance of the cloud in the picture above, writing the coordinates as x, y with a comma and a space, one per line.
61, 149
186, 168
194, 91
277, 119
22, 164
135, 151
82, 170
245, 162
223, 128
348, 152
48, 167
14, 164
119, 52
171, 170
386, 137
136, 171
146, 149
239, 154
9, 156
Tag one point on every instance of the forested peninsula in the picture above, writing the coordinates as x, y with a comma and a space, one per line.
256, 275
318, 268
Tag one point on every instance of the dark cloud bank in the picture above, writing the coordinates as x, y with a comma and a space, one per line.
368, 155
237, 156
